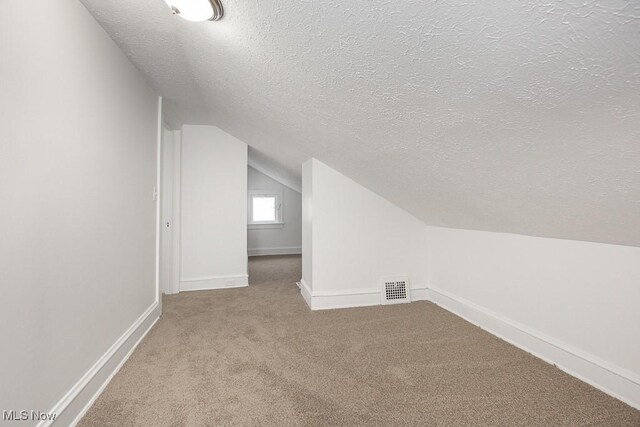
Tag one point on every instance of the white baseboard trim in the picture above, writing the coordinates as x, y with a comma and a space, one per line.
420, 293
77, 401
289, 250
305, 290
214, 282
613, 380
351, 298
346, 299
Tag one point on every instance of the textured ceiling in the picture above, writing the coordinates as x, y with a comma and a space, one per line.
508, 116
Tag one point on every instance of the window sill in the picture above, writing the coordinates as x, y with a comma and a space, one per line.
263, 226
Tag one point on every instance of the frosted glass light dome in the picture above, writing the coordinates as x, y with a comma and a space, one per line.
196, 10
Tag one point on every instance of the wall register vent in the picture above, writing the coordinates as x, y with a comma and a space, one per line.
395, 290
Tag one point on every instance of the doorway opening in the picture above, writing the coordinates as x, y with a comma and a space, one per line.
274, 228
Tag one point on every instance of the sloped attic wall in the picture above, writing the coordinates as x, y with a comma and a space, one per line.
213, 211
505, 116
571, 303
352, 239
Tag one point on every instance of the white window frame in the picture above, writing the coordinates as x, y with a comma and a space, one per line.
278, 223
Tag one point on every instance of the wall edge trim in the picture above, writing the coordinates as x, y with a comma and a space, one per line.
329, 300
305, 290
615, 381
284, 250
214, 282
140, 326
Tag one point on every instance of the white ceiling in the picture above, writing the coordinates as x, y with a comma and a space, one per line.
511, 116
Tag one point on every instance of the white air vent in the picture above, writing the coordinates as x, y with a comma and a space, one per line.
395, 290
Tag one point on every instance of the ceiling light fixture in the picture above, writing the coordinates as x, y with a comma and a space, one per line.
196, 10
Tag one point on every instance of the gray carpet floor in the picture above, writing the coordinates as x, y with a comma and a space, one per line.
259, 356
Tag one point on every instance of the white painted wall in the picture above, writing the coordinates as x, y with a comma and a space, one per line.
78, 222
357, 237
214, 209
273, 241
579, 296
306, 282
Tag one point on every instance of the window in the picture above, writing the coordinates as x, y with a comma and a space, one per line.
265, 209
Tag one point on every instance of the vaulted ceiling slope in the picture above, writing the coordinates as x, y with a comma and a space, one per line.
510, 116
